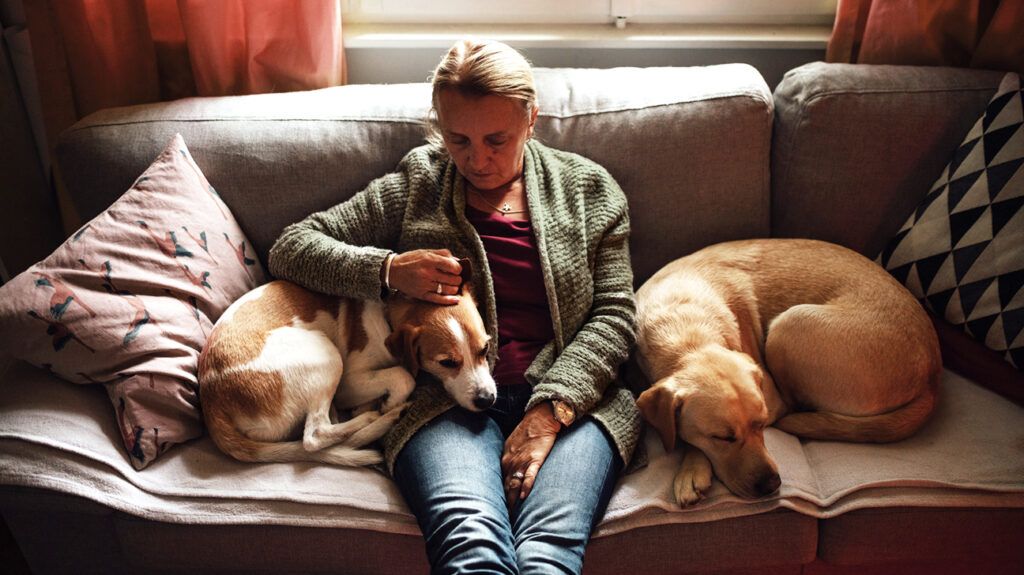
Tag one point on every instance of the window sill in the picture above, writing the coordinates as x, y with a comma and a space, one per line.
637, 36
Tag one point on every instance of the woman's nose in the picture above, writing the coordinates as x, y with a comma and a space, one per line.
477, 159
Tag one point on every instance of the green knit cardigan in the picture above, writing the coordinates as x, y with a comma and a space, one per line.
580, 218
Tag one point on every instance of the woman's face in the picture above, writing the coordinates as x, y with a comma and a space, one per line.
485, 136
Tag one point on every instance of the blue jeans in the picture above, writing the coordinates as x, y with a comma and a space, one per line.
450, 475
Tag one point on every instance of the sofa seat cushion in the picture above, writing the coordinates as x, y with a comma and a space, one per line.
51, 437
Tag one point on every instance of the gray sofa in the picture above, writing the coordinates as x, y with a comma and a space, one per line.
839, 152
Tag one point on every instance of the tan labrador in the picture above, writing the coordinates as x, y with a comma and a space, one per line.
805, 335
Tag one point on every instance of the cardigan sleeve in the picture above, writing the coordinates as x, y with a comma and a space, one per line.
589, 363
340, 250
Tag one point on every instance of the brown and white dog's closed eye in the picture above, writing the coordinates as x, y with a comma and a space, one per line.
801, 334
449, 342
282, 358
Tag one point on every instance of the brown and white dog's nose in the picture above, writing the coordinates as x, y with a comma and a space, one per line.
483, 400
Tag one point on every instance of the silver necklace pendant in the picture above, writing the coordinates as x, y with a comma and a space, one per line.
506, 207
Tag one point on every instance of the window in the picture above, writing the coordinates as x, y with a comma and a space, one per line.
799, 12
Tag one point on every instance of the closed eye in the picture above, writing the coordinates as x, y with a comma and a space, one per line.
487, 347
457, 140
724, 438
449, 363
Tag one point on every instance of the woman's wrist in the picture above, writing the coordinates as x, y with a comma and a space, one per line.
544, 416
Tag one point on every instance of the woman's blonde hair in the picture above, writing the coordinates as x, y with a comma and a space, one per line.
481, 68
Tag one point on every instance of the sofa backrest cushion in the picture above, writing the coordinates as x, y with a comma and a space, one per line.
690, 147
856, 147
960, 252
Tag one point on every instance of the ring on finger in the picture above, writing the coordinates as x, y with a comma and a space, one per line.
518, 475
439, 290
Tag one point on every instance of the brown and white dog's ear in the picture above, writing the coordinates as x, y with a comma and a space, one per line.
467, 276
403, 344
660, 407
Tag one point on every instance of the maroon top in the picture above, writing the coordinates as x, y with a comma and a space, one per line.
524, 318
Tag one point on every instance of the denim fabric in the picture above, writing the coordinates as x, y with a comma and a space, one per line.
450, 476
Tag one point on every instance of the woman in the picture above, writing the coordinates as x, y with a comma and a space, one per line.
518, 487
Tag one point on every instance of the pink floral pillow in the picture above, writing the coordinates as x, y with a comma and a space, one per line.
129, 300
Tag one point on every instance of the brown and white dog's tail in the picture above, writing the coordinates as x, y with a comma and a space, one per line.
233, 442
893, 425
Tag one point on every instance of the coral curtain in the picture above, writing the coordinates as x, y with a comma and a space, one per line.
93, 54
963, 33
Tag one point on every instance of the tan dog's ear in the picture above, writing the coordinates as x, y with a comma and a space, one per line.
660, 407
758, 374
404, 345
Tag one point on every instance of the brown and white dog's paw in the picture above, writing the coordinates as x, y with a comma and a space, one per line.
394, 413
381, 424
388, 406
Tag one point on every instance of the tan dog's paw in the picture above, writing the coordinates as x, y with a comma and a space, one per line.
689, 487
693, 479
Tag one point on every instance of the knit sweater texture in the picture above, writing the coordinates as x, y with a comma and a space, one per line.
581, 221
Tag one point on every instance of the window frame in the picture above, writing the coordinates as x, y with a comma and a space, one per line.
531, 12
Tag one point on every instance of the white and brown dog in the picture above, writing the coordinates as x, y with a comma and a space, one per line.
283, 359
805, 335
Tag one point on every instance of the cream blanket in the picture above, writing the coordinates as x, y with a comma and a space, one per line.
60, 436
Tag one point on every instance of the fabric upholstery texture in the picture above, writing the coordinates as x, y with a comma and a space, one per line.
960, 252
879, 536
970, 358
256, 146
128, 301
856, 147
202, 486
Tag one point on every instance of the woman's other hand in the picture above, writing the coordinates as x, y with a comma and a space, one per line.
430, 275
526, 449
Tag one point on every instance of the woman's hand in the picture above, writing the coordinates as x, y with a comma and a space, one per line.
526, 449
419, 273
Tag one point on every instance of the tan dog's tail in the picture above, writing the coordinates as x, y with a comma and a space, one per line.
894, 425
231, 441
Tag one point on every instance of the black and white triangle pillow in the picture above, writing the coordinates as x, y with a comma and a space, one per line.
962, 251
